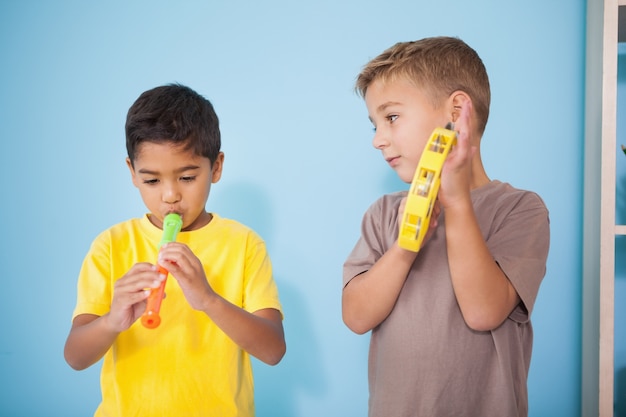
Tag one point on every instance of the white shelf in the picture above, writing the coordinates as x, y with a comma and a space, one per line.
600, 229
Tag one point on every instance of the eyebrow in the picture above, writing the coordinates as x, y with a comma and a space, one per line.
178, 171
384, 106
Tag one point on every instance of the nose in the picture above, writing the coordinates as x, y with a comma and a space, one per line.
380, 140
170, 193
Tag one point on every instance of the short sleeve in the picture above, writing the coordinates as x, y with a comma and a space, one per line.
94, 281
379, 231
260, 289
519, 242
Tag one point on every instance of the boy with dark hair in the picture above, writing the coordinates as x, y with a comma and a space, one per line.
222, 303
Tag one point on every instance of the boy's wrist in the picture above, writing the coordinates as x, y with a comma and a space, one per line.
108, 326
210, 302
404, 254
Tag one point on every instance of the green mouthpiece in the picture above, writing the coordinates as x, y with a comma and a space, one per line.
172, 223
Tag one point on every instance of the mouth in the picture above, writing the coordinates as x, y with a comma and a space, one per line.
173, 212
393, 160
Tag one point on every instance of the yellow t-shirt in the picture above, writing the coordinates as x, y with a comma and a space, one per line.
187, 366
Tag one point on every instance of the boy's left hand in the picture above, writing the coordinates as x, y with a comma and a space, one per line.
456, 173
187, 269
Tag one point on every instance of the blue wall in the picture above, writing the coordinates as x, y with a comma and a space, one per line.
299, 167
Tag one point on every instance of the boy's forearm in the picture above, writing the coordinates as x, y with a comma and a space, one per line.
88, 341
260, 333
369, 297
484, 293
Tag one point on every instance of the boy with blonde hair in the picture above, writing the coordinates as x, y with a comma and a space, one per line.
450, 324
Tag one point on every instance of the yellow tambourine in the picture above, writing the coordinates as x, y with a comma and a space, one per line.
424, 189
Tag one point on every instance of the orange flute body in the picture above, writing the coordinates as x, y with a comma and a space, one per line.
151, 318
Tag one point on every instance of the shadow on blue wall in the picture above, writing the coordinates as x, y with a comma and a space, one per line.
300, 372
620, 393
277, 388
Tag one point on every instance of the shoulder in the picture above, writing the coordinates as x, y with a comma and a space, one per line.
121, 230
502, 194
380, 221
387, 203
123, 236
231, 229
224, 223
502, 208
131, 229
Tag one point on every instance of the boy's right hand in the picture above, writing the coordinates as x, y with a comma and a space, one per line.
130, 293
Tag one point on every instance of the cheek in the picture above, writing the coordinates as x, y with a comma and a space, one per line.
415, 142
201, 193
147, 194
412, 150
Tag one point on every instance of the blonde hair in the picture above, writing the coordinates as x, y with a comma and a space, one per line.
439, 65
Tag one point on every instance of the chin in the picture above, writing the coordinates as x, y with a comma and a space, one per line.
404, 177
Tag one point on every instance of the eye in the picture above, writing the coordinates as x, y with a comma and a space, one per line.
392, 118
151, 181
188, 178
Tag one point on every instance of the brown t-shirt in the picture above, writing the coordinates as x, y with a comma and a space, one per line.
424, 361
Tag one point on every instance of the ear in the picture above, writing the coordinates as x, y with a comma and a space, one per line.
216, 168
132, 171
457, 101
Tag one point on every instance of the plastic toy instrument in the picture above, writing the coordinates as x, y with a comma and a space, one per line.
172, 223
424, 188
